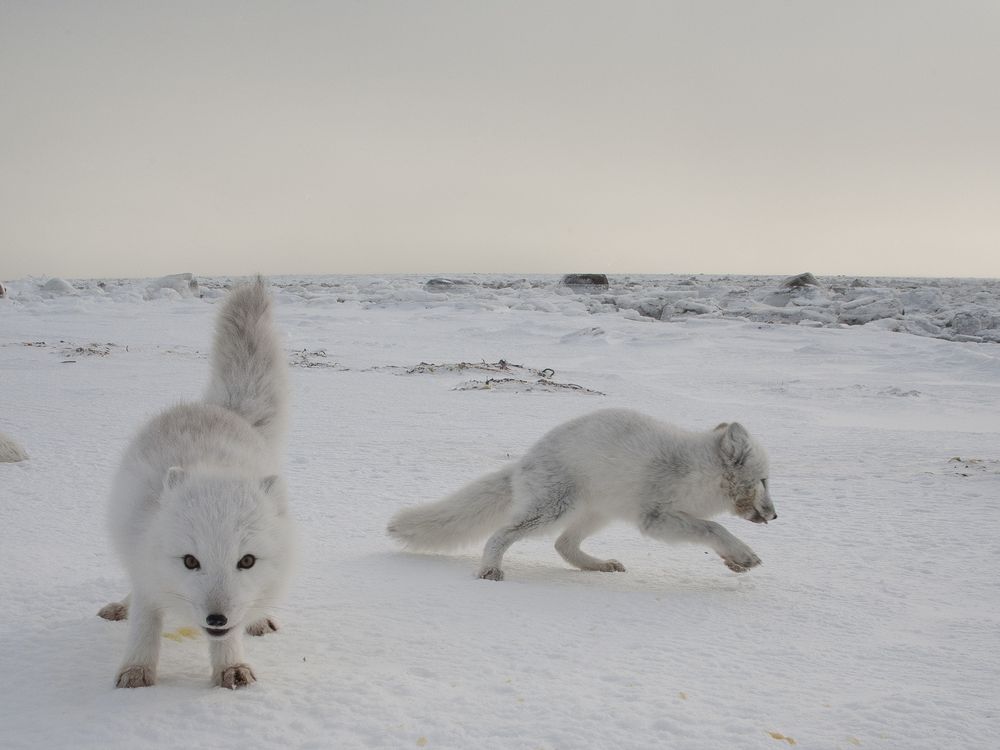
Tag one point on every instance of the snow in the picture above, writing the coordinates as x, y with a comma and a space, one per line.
872, 623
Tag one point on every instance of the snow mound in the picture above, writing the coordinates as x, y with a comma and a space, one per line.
184, 284
57, 287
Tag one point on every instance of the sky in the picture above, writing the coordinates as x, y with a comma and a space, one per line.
718, 136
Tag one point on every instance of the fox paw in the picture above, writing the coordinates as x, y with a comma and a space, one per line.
236, 676
743, 563
611, 566
114, 611
263, 626
135, 676
491, 574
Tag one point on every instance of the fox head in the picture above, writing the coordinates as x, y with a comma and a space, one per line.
224, 546
745, 473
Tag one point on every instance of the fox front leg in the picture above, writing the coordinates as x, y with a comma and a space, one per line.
680, 527
143, 651
229, 670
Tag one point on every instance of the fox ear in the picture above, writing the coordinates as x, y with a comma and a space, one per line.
272, 487
175, 475
735, 445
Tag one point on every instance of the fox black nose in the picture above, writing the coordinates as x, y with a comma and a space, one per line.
775, 516
216, 621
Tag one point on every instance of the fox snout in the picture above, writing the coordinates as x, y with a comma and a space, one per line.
216, 625
763, 510
762, 516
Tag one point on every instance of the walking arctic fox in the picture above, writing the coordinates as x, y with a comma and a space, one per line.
198, 513
614, 464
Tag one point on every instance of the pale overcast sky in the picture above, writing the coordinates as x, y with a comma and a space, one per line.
842, 137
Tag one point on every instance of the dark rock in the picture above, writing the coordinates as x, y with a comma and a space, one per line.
591, 280
803, 279
445, 285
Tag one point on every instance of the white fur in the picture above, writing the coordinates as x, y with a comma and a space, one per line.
200, 479
611, 465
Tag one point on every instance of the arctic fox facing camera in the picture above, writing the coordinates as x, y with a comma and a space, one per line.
614, 464
198, 513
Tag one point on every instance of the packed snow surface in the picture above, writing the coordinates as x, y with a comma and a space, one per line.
873, 622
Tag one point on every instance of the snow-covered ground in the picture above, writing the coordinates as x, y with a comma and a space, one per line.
873, 623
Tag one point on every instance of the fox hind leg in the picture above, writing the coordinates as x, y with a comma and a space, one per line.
263, 626
115, 610
568, 546
550, 501
500, 542
543, 492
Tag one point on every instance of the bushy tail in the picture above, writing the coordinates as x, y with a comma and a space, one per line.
462, 518
249, 370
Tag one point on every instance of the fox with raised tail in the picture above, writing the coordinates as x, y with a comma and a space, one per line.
614, 464
198, 512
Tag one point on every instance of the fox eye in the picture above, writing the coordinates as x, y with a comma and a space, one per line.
764, 482
246, 562
191, 562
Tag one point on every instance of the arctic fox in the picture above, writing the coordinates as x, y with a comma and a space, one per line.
614, 464
198, 513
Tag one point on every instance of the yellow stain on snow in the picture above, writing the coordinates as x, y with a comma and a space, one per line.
178, 636
422, 742
683, 696
780, 736
854, 741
